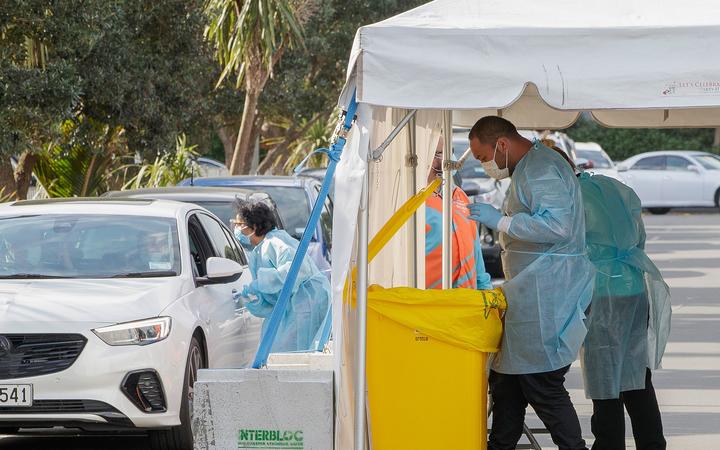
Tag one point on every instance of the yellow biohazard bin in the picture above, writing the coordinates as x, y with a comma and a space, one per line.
426, 367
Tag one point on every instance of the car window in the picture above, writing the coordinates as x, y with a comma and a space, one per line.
241, 257
650, 163
710, 162
292, 205
599, 160
677, 163
88, 246
219, 239
326, 220
195, 253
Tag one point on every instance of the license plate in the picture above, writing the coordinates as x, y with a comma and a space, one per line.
16, 395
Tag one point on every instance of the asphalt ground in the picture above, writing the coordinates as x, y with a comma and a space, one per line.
686, 247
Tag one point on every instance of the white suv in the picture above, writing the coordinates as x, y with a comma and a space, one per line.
109, 307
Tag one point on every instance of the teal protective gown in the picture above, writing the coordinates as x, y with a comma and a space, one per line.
629, 320
550, 278
309, 306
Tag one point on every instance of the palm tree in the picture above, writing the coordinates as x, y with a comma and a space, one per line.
249, 37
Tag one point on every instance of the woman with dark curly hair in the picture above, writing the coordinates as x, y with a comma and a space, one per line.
270, 254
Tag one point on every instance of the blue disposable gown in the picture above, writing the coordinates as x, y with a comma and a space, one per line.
309, 307
629, 320
550, 278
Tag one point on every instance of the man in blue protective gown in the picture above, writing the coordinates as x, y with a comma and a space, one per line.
549, 283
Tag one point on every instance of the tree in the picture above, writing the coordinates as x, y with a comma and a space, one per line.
39, 86
250, 37
308, 80
140, 70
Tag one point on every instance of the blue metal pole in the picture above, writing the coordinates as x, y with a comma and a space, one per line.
279, 310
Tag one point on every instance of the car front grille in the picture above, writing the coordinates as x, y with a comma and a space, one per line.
59, 407
29, 355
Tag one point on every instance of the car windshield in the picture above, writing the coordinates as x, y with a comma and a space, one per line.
599, 160
710, 162
88, 246
292, 205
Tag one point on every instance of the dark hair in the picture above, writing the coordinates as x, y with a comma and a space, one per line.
257, 215
564, 155
490, 128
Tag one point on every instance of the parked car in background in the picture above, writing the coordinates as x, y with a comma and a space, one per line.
294, 197
599, 161
212, 168
219, 201
109, 308
673, 179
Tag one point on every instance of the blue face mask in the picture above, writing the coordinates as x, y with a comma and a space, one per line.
244, 239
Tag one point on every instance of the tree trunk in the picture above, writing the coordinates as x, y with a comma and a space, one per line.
228, 137
7, 178
291, 135
242, 155
23, 174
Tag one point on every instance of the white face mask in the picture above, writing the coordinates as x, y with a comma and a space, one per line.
493, 170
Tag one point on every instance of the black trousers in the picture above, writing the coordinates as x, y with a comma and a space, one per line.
608, 420
546, 393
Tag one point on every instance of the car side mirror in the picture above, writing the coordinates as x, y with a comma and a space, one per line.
622, 168
693, 168
221, 271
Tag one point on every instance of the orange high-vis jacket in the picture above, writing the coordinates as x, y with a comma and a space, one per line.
468, 265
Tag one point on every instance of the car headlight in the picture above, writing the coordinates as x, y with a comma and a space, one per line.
141, 332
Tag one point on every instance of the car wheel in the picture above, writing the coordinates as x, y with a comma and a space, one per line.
9, 430
181, 437
717, 199
659, 211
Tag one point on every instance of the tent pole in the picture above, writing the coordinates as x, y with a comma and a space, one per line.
447, 191
412, 164
362, 277
378, 152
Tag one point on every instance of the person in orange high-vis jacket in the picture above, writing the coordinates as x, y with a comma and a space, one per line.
467, 262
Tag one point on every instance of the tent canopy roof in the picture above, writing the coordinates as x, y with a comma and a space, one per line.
540, 62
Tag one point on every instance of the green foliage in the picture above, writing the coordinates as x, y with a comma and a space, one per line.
78, 164
141, 66
308, 80
168, 169
247, 35
622, 143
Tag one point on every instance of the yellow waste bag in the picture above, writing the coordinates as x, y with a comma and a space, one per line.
466, 318
427, 356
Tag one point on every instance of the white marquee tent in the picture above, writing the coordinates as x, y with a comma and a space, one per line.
538, 63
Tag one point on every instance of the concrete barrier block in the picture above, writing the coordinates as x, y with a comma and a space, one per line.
250, 409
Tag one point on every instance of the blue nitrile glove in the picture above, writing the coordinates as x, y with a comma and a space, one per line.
250, 289
485, 214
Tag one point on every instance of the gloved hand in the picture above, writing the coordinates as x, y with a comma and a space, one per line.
250, 289
485, 214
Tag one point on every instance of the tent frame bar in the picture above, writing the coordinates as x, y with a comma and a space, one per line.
378, 152
362, 285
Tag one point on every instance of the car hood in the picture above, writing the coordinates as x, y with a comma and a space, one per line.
73, 300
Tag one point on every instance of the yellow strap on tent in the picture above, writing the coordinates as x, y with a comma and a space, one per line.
393, 225
466, 318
